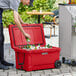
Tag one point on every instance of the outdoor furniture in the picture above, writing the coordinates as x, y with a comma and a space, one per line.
39, 13
54, 22
42, 13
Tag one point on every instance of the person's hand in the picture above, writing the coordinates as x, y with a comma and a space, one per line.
27, 2
27, 36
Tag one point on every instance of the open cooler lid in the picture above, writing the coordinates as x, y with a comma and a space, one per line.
36, 32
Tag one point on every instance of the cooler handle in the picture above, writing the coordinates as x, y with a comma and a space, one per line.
18, 59
45, 53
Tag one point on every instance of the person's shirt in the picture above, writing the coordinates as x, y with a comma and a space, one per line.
10, 4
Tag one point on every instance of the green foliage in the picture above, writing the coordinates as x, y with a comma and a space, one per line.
37, 4
64, 2
8, 18
51, 3
48, 18
46, 5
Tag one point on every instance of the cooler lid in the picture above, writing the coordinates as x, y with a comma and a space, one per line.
36, 32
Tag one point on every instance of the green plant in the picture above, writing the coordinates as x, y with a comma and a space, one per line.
64, 2
51, 3
46, 5
8, 18
37, 4
48, 18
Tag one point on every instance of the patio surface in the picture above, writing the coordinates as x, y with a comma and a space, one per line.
65, 70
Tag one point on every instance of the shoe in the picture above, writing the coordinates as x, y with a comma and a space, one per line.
3, 67
6, 63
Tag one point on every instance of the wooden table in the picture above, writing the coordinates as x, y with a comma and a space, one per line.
39, 13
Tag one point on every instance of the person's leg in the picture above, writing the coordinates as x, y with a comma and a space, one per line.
2, 43
1, 37
2, 47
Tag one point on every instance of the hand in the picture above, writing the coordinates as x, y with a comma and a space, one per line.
27, 36
27, 2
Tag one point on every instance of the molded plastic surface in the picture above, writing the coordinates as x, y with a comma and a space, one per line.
34, 30
32, 59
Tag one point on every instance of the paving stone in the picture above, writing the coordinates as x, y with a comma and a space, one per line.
26, 74
74, 69
47, 71
45, 75
14, 75
57, 71
21, 71
64, 66
10, 70
50, 74
9, 56
59, 75
1, 70
73, 73
67, 69
64, 70
35, 74
3, 74
39, 71
67, 74
7, 70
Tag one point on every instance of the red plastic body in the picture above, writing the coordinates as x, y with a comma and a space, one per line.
33, 59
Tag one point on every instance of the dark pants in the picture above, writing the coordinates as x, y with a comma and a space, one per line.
1, 37
31, 2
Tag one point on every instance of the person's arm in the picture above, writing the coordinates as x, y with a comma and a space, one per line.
18, 23
21, 21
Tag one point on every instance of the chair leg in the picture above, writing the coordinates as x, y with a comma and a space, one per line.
50, 32
54, 31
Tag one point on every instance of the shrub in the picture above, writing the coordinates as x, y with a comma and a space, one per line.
46, 5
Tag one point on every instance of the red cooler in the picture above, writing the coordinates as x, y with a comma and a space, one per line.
33, 59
